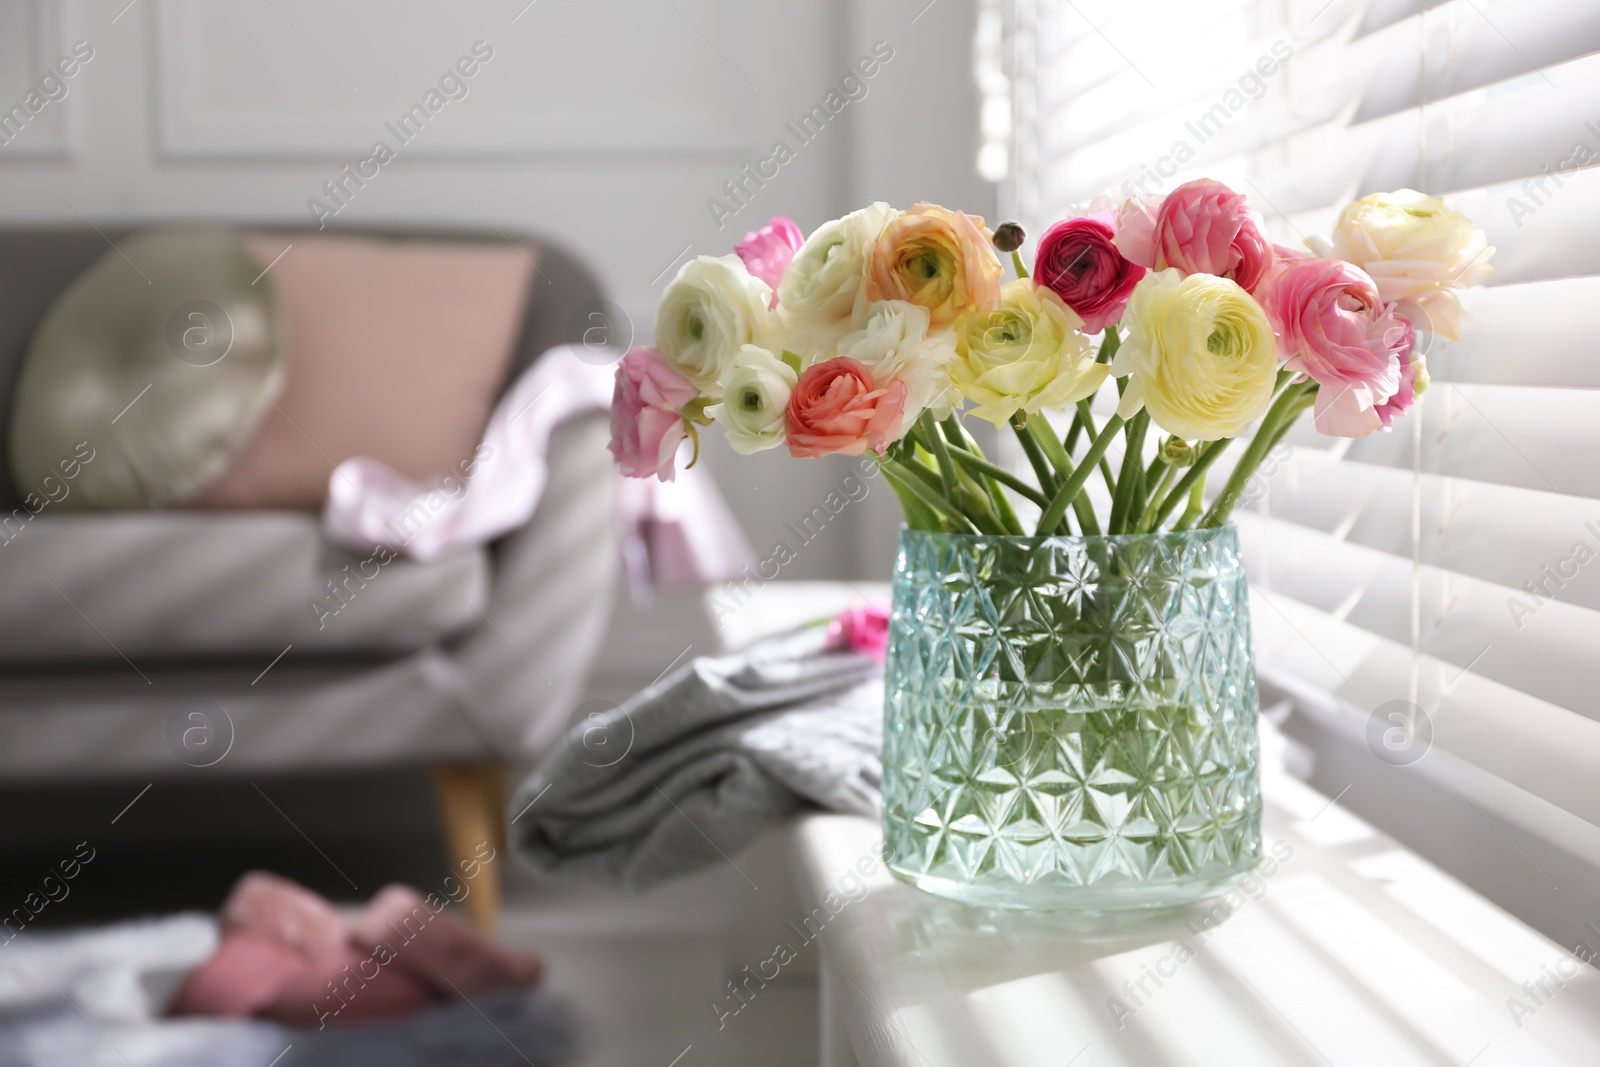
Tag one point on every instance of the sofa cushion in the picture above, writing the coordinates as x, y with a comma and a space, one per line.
163, 369
155, 584
394, 350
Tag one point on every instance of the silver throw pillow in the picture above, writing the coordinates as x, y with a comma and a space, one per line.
159, 362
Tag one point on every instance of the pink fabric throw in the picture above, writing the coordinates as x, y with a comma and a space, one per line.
674, 534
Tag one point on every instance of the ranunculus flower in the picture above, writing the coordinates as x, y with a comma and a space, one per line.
1026, 354
1417, 250
823, 295
1413, 378
709, 310
939, 259
1080, 263
1328, 316
647, 414
896, 345
1201, 355
1202, 227
835, 407
755, 399
767, 252
862, 629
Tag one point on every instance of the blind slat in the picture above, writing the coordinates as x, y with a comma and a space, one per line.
1494, 533
1544, 439
1469, 44
1465, 622
1540, 124
1541, 333
1543, 749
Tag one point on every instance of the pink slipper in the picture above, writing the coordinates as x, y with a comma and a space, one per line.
436, 948
283, 911
351, 986
244, 975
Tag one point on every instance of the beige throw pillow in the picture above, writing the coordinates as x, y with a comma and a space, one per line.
394, 349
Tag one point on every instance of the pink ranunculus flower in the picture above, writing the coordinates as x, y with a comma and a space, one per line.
864, 629
1080, 263
1329, 319
647, 423
1136, 229
767, 252
835, 407
1202, 227
1413, 377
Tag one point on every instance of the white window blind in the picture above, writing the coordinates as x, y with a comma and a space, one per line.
1454, 562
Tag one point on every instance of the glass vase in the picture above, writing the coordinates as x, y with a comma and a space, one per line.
1070, 722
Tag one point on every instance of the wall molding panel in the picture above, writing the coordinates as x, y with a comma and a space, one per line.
334, 100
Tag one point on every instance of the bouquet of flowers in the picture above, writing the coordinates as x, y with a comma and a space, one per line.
880, 330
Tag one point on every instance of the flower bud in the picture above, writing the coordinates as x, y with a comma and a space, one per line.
1177, 452
1008, 237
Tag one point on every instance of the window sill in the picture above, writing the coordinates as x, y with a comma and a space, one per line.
1354, 950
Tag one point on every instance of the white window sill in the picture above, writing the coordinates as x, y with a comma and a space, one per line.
1353, 951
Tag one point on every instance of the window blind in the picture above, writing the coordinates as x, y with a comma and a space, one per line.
1454, 562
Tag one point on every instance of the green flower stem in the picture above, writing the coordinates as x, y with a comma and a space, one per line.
1148, 478
1003, 509
1196, 475
1016, 261
994, 473
974, 498
919, 516
1290, 403
1030, 448
933, 441
963, 444
1088, 424
1076, 428
1132, 471
899, 472
1109, 343
957, 435
1062, 499
1197, 496
1168, 476
1039, 427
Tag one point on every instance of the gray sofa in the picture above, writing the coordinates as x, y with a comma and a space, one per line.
117, 628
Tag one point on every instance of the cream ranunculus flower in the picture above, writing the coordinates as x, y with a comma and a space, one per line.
823, 294
1419, 251
709, 310
1201, 353
755, 396
897, 345
1027, 354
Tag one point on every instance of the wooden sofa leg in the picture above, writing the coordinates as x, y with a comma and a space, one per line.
472, 805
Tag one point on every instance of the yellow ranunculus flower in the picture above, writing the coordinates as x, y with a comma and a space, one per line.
1201, 354
939, 259
1419, 251
1026, 354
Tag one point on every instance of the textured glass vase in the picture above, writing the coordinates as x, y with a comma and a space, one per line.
1070, 722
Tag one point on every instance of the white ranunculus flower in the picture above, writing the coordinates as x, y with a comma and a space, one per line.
895, 344
823, 295
1418, 250
754, 400
709, 310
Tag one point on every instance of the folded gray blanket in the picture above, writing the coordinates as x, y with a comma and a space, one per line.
715, 753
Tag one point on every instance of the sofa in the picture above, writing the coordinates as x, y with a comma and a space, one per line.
151, 644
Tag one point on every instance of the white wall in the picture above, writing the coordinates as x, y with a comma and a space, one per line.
605, 124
